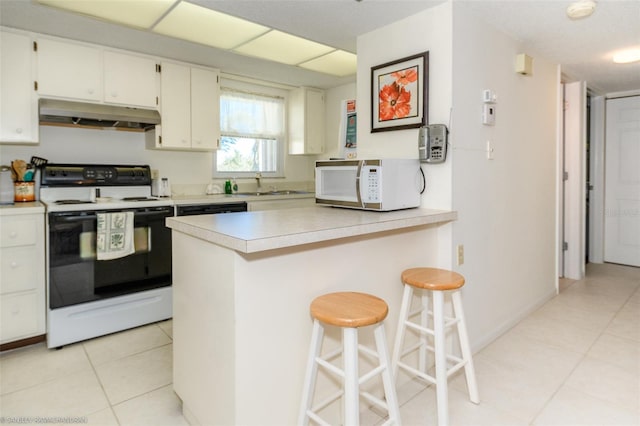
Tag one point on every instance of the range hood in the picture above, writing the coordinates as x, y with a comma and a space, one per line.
79, 114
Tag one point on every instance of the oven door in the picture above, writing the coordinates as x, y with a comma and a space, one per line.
76, 276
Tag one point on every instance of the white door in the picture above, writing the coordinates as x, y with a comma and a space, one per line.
622, 182
574, 232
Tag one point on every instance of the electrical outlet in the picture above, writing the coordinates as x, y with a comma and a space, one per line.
460, 250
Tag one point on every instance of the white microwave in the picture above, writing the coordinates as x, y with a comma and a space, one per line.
381, 185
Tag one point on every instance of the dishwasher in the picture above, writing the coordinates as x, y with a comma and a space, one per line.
213, 208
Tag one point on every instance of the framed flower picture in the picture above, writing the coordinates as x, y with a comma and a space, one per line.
399, 94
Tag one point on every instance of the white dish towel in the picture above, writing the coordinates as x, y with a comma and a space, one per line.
114, 235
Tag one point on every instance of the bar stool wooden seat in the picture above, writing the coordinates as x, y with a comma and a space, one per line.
435, 283
349, 311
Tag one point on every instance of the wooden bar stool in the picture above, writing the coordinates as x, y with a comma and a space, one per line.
435, 282
349, 311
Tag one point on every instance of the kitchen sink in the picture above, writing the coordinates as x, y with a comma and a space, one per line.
283, 192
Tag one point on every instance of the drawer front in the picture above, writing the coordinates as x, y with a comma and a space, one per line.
19, 316
19, 267
17, 231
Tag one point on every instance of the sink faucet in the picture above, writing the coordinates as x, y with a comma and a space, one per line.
258, 177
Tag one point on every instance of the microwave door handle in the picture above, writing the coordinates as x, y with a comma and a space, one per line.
358, 181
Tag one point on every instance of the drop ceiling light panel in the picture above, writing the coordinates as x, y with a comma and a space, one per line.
285, 48
138, 13
339, 63
201, 25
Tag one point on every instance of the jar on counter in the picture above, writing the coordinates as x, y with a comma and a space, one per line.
24, 191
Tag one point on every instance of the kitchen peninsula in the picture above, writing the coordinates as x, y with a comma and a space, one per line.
242, 286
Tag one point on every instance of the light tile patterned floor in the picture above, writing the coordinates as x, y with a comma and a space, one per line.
575, 361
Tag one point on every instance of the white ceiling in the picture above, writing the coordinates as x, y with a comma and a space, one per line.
583, 48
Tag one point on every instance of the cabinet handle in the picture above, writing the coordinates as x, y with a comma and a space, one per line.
90, 91
14, 265
19, 131
114, 94
13, 234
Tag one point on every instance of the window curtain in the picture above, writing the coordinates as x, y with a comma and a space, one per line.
251, 115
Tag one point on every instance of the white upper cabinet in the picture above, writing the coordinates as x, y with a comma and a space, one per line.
190, 109
130, 80
18, 99
306, 121
205, 108
87, 73
69, 70
175, 92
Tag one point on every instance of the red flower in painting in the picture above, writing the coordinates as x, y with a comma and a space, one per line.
405, 77
395, 102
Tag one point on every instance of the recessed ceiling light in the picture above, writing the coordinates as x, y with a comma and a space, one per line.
139, 14
627, 56
581, 9
202, 25
282, 47
338, 62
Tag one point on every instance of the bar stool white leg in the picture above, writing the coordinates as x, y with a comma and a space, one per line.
442, 394
388, 381
469, 370
402, 325
351, 377
311, 372
424, 337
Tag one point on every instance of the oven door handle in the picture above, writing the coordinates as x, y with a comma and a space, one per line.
62, 219
137, 215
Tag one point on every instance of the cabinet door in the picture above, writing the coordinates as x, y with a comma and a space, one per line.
19, 314
306, 121
18, 100
69, 70
175, 91
19, 271
18, 231
205, 109
129, 80
314, 122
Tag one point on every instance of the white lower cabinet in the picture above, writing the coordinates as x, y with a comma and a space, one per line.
22, 275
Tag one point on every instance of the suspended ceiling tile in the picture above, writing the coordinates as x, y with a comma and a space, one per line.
338, 63
282, 47
134, 13
202, 25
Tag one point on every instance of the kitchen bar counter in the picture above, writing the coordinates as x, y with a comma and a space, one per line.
252, 232
242, 286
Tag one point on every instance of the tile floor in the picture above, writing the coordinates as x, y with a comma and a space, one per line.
575, 361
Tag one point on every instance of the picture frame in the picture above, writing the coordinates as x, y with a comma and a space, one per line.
399, 94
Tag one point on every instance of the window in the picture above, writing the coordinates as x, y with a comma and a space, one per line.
251, 134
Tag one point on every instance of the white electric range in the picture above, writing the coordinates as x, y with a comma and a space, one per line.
87, 296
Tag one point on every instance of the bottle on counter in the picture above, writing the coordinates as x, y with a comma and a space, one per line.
234, 185
227, 187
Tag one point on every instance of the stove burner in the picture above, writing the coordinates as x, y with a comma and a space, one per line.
73, 202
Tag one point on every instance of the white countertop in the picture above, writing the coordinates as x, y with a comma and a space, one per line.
30, 207
250, 232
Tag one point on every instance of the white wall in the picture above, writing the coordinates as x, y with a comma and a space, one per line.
426, 31
188, 172
333, 102
507, 206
